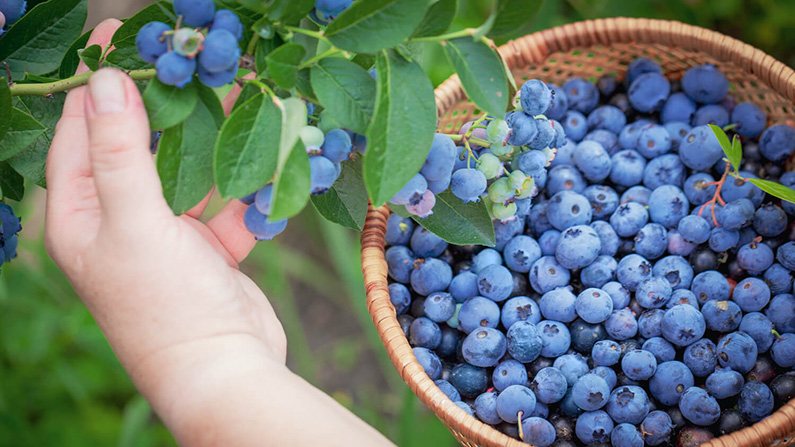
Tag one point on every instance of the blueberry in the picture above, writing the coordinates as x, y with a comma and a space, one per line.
639, 364
756, 401
711, 114
682, 296
779, 278
590, 392
757, 257
555, 336
505, 231
398, 229
608, 140
678, 108
653, 141
608, 238
195, 13
662, 349
565, 178
486, 408
777, 142
538, 432
666, 169
629, 218
639, 194
626, 435
584, 335
632, 270
524, 341
607, 117
710, 285
700, 149
604, 200
575, 125
507, 373
583, 96
668, 205
469, 380
627, 167
521, 253
440, 306
400, 263
601, 271
593, 305
650, 323
677, 131
721, 316
548, 242
628, 137
559, 305
174, 69
227, 20
332, 8
722, 239
724, 383
694, 229
411, 193
640, 66
425, 244
651, 241
425, 333
621, 325
751, 294
628, 404
605, 353
648, 92
448, 389
578, 247
770, 220
759, 328
495, 282
783, 350
783, 388
683, 324
524, 129
701, 357
520, 308
730, 421
705, 84
478, 312
656, 427
737, 350
450, 341
259, 225
513, 400
546, 274
220, 52
484, 347
439, 162
429, 361
151, 42
749, 118
431, 275
400, 297
536, 97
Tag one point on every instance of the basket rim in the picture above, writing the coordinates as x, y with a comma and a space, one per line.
533, 49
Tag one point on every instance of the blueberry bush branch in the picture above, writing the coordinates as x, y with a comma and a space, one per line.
67, 84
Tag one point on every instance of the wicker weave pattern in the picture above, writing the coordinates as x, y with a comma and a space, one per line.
586, 49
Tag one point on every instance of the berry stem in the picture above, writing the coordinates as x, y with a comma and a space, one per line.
716, 198
70, 83
519, 423
317, 57
729, 127
316, 34
480, 142
442, 37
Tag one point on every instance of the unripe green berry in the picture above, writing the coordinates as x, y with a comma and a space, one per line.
519, 181
517, 101
490, 165
497, 131
503, 212
501, 191
312, 137
501, 149
187, 42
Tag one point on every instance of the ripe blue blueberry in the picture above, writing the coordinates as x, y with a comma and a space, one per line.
573, 366
555, 337
760, 328
590, 392
558, 304
592, 160
601, 271
651, 241
737, 351
548, 241
495, 282
627, 167
520, 253
484, 347
538, 432
546, 274
705, 84
666, 169
13, 10
513, 400
549, 385
656, 427
323, 174
670, 381
721, 316
608, 118
628, 404
770, 220
639, 364
583, 96
486, 408
668, 205
227, 20
700, 149
578, 247
779, 278
629, 218
783, 350
430, 275
594, 305
439, 307
694, 229
756, 401
429, 361
524, 129
507, 373
151, 42
398, 229
337, 145
536, 97
648, 92
722, 239
683, 324
751, 294
469, 380
332, 8
661, 348
632, 270
400, 297
606, 353
259, 225
411, 193
711, 114
575, 124
650, 323
781, 312
464, 286
524, 341
621, 325
425, 333
478, 312
519, 308
425, 244
594, 426
558, 105
174, 69
678, 108
724, 383
626, 435
217, 79
448, 389
608, 140
750, 119
755, 258
439, 162
468, 184
701, 357
195, 13
607, 236
400, 263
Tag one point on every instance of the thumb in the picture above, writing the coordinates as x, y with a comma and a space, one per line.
119, 139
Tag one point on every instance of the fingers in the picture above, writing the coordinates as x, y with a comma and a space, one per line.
228, 227
197, 211
118, 145
101, 36
229, 101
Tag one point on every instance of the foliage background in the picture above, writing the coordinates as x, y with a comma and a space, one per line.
60, 383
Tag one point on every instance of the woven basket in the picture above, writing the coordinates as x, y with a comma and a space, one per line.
587, 49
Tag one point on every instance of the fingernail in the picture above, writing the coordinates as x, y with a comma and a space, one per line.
107, 92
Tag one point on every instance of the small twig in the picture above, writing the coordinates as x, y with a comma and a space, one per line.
8, 71
716, 198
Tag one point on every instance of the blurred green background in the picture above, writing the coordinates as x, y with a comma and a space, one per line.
60, 383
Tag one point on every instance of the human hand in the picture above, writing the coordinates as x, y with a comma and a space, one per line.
197, 336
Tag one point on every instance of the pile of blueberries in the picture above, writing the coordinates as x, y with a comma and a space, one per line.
10, 12
505, 175
617, 310
10, 226
179, 54
326, 154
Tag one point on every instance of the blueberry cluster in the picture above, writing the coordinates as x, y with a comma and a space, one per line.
10, 12
9, 228
207, 46
327, 10
499, 160
639, 301
326, 154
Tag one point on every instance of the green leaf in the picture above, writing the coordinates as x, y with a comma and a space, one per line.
372, 25
185, 158
366, 61
36, 79
71, 59
511, 15
309, 43
32, 160
6, 110
263, 49
126, 58
209, 99
774, 189
23, 131
304, 84
733, 150
11, 183
249, 91
247, 150
481, 72
438, 19
736, 155
346, 202
286, 11
125, 35
39, 40
90, 56
457, 222
401, 132
167, 105
283, 64
291, 185
346, 90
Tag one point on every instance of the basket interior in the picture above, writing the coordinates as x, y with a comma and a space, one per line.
593, 62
